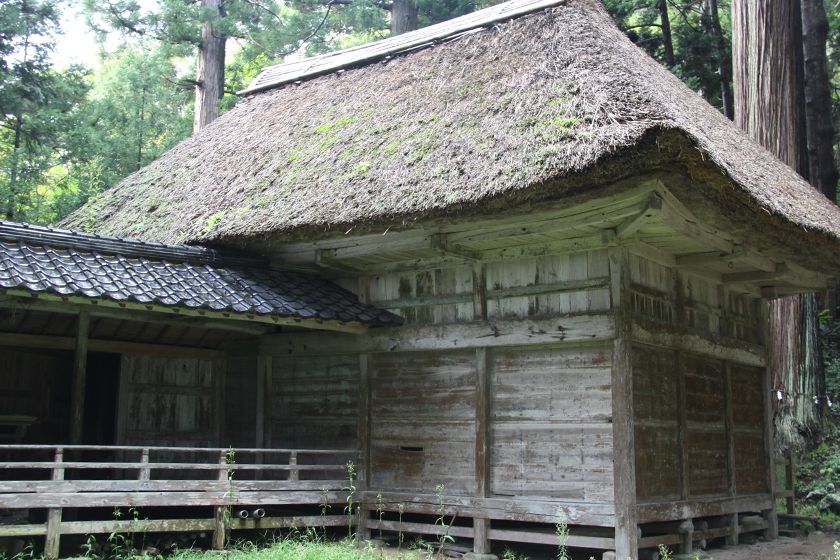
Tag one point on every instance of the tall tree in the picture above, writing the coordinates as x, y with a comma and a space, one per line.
403, 16
822, 167
667, 38
769, 105
210, 65
712, 13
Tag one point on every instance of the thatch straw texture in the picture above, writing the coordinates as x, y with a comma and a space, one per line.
482, 117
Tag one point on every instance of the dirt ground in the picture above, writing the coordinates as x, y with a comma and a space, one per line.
818, 546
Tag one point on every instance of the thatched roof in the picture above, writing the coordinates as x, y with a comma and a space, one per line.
495, 113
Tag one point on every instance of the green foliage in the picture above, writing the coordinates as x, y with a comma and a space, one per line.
696, 53
561, 529
297, 547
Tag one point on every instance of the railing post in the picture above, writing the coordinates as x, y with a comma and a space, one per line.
220, 519
53, 541
294, 474
145, 472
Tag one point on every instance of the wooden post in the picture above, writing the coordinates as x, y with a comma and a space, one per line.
146, 472
769, 445
624, 459
729, 421
52, 544
220, 517
260, 408
481, 526
365, 471
294, 474
682, 427
219, 372
79, 377
790, 483
479, 276
734, 530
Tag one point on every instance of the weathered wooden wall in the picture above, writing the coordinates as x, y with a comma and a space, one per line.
36, 383
312, 402
548, 415
687, 434
169, 401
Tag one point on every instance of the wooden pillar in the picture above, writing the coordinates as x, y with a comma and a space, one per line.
790, 483
219, 373
79, 377
481, 526
260, 406
52, 544
769, 443
479, 278
624, 459
682, 426
729, 425
220, 518
145, 473
365, 471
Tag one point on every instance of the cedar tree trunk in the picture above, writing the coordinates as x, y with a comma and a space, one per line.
210, 68
667, 40
769, 104
823, 170
403, 16
724, 62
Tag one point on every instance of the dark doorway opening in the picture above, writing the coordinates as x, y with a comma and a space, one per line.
101, 391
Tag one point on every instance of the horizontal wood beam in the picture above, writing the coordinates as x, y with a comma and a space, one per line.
316, 324
562, 329
508, 509
109, 346
163, 499
645, 332
36, 304
551, 539
703, 507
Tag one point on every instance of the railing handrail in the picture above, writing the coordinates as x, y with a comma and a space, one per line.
152, 448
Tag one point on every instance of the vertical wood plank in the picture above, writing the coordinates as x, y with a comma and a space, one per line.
729, 419
365, 471
263, 372
52, 544
479, 284
682, 426
790, 482
624, 461
481, 540
769, 444
482, 415
219, 512
123, 395
769, 451
481, 527
79, 377
219, 372
145, 473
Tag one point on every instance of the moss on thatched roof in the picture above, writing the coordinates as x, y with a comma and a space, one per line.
480, 117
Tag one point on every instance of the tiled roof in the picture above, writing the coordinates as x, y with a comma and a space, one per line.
68, 263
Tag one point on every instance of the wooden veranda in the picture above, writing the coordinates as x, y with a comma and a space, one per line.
242, 488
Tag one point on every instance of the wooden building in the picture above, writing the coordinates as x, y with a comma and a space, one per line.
541, 267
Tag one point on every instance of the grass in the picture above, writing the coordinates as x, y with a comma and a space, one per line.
289, 549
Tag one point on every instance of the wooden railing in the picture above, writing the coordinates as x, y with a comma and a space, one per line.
79, 476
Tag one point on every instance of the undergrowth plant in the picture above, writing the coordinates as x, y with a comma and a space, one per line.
351, 494
561, 529
664, 553
444, 536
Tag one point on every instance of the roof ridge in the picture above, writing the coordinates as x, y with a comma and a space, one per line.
289, 72
77, 240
